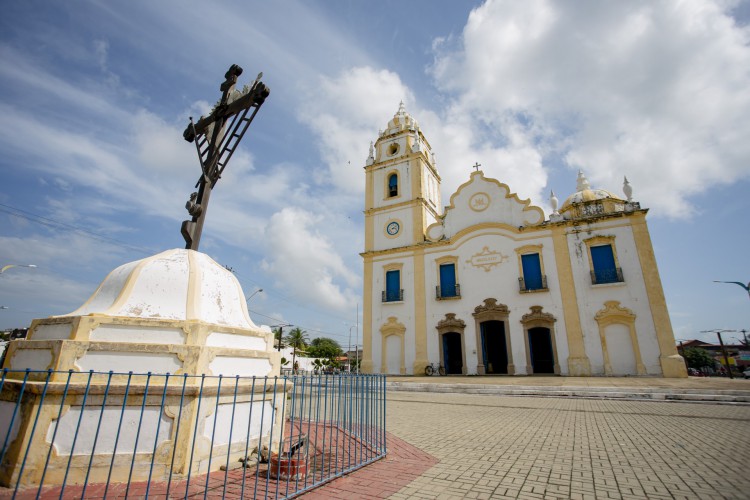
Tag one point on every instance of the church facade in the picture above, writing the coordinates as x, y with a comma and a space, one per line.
490, 285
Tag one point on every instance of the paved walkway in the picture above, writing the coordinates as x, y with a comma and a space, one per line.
700, 383
489, 446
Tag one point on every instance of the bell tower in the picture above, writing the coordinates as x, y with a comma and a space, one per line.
402, 188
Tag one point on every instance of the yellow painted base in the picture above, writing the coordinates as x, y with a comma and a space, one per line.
366, 366
673, 366
38, 417
419, 366
579, 367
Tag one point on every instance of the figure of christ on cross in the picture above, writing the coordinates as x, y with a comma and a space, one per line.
216, 138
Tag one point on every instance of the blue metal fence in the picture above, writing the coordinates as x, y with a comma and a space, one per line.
114, 435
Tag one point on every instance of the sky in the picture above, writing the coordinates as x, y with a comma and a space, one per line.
94, 97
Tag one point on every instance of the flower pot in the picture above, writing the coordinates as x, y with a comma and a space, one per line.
289, 468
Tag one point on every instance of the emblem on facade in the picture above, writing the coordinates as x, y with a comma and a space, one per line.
479, 202
486, 259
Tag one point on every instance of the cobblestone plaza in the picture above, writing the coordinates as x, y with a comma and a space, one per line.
510, 447
452, 445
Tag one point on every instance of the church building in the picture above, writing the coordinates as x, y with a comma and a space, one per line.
490, 285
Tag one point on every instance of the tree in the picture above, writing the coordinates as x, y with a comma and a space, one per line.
297, 339
323, 347
698, 358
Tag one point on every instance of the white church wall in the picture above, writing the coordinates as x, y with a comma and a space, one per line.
631, 293
402, 310
499, 281
620, 349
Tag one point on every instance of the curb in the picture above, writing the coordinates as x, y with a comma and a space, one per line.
644, 394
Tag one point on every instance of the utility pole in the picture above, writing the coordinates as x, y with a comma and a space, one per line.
356, 341
723, 349
281, 332
726, 358
216, 137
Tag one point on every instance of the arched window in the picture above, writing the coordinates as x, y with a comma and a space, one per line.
393, 185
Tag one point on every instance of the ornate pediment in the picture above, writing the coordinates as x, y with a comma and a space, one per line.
613, 313
451, 323
491, 306
392, 327
483, 201
537, 316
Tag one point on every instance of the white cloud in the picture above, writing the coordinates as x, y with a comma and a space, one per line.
656, 91
303, 261
344, 113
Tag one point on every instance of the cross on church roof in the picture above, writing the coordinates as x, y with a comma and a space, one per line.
476, 166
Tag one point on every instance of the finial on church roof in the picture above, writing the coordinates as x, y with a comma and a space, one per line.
583, 183
627, 189
401, 109
553, 201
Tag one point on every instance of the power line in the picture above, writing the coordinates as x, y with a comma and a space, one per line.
56, 224
273, 291
298, 325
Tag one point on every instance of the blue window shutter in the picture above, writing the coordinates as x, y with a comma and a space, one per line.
532, 271
447, 280
603, 260
392, 285
393, 185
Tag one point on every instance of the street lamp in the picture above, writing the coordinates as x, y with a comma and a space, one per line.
746, 287
5, 268
252, 294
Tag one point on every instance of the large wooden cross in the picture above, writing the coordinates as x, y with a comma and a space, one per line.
216, 138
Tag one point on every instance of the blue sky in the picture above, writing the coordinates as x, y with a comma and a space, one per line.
94, 97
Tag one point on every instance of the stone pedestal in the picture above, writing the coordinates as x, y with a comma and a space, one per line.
177, 313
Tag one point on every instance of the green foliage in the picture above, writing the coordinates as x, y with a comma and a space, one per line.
297, 338
697, 357
284, 361
323, 347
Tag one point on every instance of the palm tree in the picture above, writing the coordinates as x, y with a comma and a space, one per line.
297, 339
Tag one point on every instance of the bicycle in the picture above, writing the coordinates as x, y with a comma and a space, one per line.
430, 369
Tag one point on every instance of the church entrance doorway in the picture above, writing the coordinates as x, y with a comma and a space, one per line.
452, 355
540, 347
494, 348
